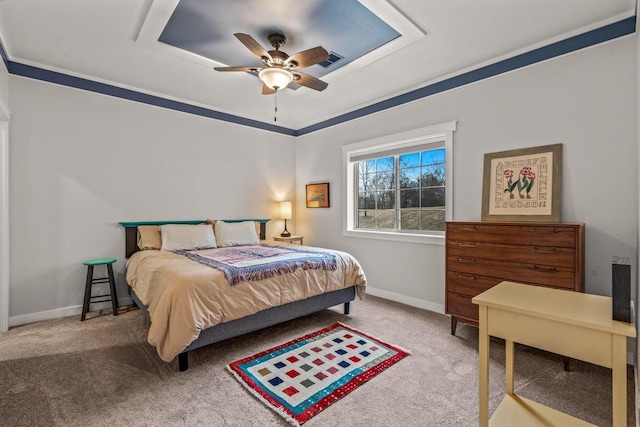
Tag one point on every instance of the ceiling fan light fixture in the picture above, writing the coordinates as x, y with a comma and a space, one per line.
276, 78
280, 69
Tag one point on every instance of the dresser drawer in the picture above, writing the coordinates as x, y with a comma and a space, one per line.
469, 284
559, 277
535, 235
479, 255
461, 305
544, 255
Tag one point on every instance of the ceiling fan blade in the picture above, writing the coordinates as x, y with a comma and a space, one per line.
309, 81
266, 90
308, 57
247, 68
253, 45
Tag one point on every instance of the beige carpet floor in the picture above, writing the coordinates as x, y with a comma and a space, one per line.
101, 372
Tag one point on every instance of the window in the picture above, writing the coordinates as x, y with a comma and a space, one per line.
402, 192
399, 187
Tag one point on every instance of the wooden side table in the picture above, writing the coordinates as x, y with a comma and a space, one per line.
290, 239
573, 324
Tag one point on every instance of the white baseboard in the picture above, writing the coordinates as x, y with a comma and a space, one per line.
414, 302
23, 319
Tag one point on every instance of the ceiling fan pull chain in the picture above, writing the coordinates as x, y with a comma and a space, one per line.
275, 112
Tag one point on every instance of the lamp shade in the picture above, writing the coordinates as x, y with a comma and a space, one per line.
275, 78
285, 210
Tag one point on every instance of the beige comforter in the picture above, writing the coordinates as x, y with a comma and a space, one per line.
185, 297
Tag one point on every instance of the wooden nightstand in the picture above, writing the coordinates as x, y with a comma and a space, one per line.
290, 239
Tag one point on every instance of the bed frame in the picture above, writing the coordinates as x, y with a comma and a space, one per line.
254, 322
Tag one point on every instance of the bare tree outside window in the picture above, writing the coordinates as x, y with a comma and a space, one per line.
376, 193
402, 192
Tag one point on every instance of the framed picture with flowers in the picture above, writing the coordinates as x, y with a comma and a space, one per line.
523, 185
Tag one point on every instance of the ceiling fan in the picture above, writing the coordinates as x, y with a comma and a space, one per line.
279, 68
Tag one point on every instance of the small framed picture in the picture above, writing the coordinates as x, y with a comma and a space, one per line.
318, 195
523, 185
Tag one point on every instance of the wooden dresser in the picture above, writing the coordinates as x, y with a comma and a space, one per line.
479, 255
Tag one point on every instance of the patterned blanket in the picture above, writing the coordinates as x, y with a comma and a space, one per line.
245, 263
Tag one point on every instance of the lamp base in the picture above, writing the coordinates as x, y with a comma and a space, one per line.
285, 233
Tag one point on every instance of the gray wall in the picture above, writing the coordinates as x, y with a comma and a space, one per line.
4, 198
637, 283
4, 82
81, 162
585, 100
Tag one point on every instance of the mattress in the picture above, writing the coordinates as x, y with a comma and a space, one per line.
184, 297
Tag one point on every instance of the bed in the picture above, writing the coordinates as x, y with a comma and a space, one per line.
190, 305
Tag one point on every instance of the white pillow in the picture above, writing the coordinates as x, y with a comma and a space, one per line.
236, 233
186, 236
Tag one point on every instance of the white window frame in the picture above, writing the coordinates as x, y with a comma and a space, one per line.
441, 133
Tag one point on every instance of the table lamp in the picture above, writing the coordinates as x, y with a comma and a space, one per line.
285, 213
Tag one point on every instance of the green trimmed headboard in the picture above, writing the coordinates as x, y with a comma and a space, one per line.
131, 230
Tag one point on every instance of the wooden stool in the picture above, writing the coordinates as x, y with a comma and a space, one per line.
113, 296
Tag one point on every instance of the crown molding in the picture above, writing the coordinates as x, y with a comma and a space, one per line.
581, 41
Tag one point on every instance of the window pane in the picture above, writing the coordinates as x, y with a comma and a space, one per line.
366, 201
433, 197
368, 166
410, 160
432, 176
366, 219
432, 219
410, 177
433, 157
386, 219
410, 198
410, 219
385, 164
421, 179
366, 182
362, 183
384, 181
386, 200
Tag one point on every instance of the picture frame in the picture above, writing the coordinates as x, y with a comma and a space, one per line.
523, 185
318, 195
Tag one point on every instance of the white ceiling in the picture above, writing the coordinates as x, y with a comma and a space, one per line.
111, 41
205, 27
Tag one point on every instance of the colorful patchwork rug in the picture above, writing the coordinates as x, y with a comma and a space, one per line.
302, 377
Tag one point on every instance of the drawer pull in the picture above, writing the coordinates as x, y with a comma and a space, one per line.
466, 276
543, 268
468, 228
467, 260
547, 230
545, 250
467, 245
